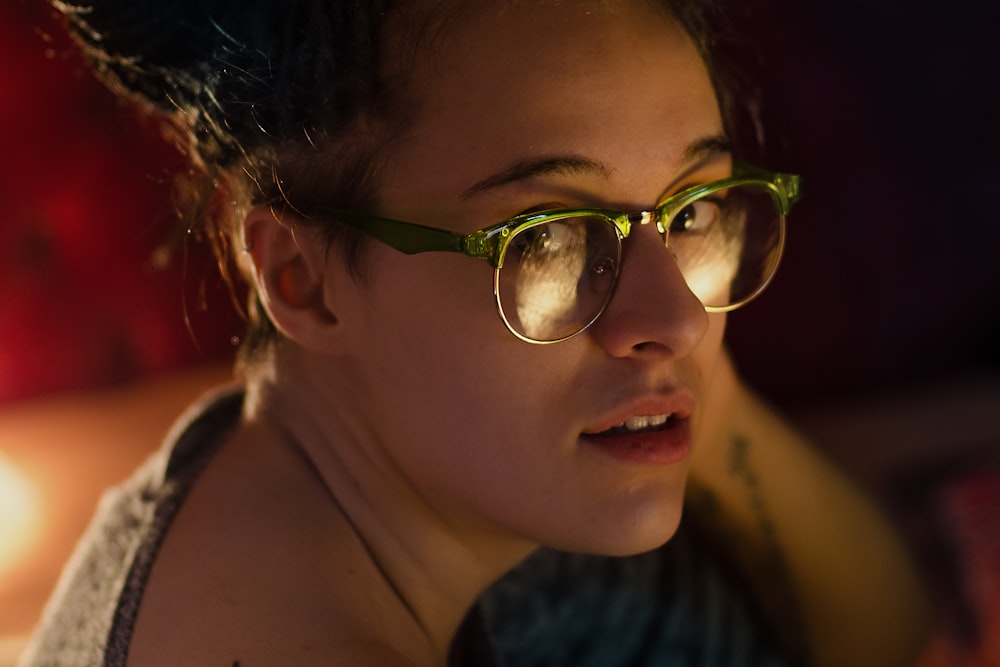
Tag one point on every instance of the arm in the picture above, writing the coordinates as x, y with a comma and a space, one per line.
814, 548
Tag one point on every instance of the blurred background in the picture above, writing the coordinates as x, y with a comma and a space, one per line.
879, 336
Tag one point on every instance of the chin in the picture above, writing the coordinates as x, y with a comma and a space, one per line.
643, 525
645, 536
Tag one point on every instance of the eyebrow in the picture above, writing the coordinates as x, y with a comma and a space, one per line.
576, 164
703, 149
526, 169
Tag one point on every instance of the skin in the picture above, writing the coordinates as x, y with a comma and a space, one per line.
400, 448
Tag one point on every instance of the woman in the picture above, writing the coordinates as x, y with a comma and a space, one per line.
413, 422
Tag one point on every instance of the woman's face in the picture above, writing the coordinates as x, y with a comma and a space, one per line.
524, 106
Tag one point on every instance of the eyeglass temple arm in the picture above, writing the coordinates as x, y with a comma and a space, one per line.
788, 186
411, 239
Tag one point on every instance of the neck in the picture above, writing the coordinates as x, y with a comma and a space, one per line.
433, 560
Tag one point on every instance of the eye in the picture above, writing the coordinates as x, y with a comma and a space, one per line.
698, 216
605, 266
550, 237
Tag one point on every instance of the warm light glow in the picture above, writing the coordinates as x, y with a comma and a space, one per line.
548, 280
20, 509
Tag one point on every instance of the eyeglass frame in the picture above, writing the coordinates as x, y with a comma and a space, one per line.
490, 243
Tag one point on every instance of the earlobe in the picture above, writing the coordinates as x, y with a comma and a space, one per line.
288, 272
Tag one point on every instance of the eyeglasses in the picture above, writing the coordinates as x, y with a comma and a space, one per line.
554, 272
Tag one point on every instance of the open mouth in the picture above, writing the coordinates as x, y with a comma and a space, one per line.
642, 424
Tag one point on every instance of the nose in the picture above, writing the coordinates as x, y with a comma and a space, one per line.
653, 311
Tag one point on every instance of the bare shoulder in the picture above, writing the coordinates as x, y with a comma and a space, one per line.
255, 570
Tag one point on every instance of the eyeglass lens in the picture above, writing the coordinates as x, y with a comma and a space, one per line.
558, 276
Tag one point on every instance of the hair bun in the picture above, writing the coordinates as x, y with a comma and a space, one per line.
151, 48
246, 69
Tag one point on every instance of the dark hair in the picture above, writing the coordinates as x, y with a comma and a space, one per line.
288, 103
253, 90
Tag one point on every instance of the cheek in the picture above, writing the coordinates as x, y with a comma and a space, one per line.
710, 347
439, 363
468, 427
476, 420
706, 357
445, 298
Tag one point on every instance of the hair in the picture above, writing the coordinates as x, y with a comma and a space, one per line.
291, 104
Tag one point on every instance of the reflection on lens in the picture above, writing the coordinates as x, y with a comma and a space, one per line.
552, 259
709, 259
558, 276
729, 261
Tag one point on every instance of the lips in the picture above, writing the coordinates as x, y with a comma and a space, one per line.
652, 431
667, 444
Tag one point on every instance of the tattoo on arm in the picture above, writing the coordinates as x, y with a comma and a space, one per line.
772, 568
775, 564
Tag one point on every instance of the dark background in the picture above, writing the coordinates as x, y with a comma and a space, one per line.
890, 111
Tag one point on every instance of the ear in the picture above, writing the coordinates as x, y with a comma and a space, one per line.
288, 270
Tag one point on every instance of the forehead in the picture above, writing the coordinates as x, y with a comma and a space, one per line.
613, 81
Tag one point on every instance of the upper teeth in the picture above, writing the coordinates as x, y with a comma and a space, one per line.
642, 422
